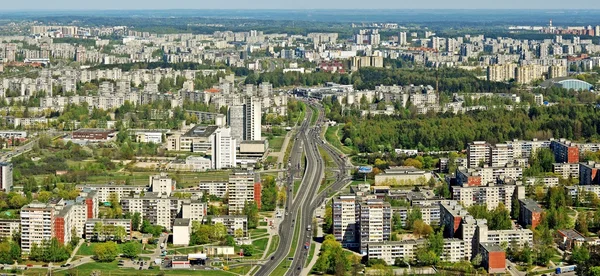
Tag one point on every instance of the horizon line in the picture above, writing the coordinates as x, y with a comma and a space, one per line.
307, 9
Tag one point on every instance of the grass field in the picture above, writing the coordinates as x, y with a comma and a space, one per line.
332, 136
261, 244
85, 250
141, 178
276, 143
273, 245
185, 250
112, 268
242, 270
258, 231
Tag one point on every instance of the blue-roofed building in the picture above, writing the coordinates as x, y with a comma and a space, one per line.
568, 83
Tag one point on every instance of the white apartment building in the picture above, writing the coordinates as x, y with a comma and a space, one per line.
149, 137
37, 220
389, 251
194, 210
501, 155
90, 224
252, 119
375, 222
233, 223
344, 220
6, 176
478, 152
566, 170
241, 190
519, 237
218, 189
162, 184
492, 196
182, 228
223, 147
104, 191
157, 209
8, 227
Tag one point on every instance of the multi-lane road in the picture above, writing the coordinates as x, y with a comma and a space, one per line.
305, 202
313, 172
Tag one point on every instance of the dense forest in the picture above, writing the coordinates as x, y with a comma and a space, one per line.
453, 132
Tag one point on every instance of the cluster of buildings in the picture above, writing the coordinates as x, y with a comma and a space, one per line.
363, 221
66, 219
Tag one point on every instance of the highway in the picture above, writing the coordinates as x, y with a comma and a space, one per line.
309, 206
310, 183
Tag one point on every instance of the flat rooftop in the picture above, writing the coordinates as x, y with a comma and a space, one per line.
201, 131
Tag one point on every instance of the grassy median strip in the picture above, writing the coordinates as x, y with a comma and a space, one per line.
273, 245
311, 254
315, 116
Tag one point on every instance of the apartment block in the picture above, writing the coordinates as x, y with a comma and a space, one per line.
492, 196
501, 155
345, 220
375, 222
8, 227
218, 189
233, 223
566, 170
588, 173
524, 149
493, 257
565, 151
182, 228
530, 213
501, 73
90, 224
194, 210
243, 186
574, 191
157, 209
389, 251
6, 176
37, 220
223, 147
162, 184
104, 191
478, 153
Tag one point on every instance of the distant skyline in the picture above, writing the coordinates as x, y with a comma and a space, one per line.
39, 5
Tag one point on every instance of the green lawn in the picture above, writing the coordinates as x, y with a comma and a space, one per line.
297, 183
273, 245
141, 178
276, 143
314, 116
332, 136
258, 231
260, 244
113, 269
85, 250
242, 270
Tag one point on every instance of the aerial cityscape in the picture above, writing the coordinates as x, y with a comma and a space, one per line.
236, 140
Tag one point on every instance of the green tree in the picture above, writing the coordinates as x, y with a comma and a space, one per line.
135, 221
106, 252
131, 249
248, 249
251, 210
413, 215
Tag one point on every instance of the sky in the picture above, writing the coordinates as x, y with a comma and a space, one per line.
30, 5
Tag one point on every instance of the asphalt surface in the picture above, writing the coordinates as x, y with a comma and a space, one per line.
310, 182
309, 206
